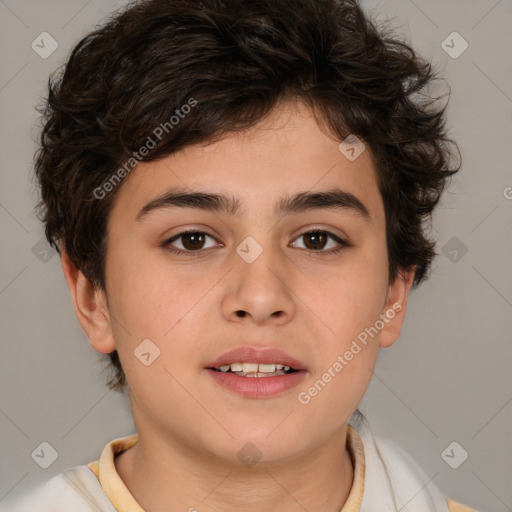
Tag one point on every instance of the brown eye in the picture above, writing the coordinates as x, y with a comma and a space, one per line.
188, 242
193, 241
317, 241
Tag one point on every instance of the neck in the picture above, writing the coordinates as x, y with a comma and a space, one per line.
159, 472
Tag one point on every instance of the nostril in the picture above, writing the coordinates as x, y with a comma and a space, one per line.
240, 313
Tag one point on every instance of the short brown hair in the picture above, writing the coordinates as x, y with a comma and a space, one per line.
236, 59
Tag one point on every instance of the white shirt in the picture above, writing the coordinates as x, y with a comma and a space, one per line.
386, 479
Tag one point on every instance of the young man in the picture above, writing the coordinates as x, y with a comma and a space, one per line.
237, 190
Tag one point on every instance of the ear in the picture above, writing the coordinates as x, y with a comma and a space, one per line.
395, 307
90, 307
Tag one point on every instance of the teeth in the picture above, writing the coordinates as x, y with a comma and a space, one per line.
255, 368
266, 368
260, 374
249, 367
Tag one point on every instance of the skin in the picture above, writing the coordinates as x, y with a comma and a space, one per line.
311, 306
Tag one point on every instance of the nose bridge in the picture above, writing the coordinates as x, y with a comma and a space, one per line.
260, 275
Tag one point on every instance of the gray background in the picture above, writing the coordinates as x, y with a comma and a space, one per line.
447, 379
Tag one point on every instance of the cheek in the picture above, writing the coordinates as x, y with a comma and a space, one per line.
349, 307
152, 300
351, 295
148, 296
349, 304
149, 302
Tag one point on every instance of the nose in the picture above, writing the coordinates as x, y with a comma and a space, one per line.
260, 291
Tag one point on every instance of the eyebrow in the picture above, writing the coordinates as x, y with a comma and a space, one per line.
333, 199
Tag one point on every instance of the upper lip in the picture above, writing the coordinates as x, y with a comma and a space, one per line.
256, 355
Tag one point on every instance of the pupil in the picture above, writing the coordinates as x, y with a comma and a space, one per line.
197, 239
316, 238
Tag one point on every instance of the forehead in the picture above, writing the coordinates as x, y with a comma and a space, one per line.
285, 154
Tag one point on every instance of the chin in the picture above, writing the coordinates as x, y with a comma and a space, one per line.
250, 448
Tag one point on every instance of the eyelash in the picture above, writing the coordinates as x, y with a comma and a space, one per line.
200, 252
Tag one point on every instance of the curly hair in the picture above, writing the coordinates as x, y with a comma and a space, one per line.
237, 59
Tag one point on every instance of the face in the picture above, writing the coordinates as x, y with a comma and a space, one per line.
311, 281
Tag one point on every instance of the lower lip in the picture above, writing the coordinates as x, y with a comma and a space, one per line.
257, 387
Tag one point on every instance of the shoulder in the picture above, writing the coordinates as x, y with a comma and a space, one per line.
453, 506
394, 481
76, 489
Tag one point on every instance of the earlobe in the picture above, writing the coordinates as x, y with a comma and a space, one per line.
90, 306
396, 305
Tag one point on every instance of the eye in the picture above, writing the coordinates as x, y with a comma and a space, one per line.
193, 242
317, 240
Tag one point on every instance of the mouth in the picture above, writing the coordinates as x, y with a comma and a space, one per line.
255, 369
256, 373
